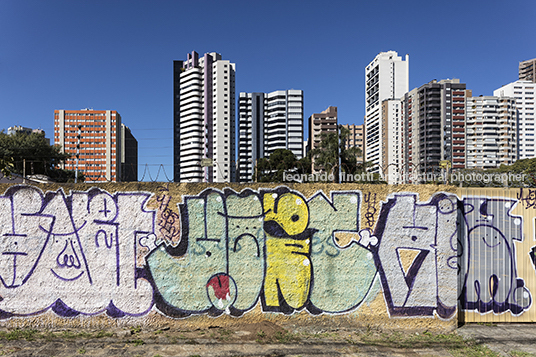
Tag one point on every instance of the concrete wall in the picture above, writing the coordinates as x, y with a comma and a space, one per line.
192, 254
497, 255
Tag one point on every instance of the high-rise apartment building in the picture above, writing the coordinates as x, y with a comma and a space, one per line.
93, 135
319, 124
393, 141
523, 92
386, 77
435, 117
13, 130
491, 132
527, 70
322, 123
129, 155
268, 121
284, 121
356, 138
251, 109
203, 119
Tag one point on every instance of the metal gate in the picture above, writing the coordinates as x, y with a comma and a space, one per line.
496, 255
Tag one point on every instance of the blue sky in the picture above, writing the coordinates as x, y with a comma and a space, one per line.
118, 55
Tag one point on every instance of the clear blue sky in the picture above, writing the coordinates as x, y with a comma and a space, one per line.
118, 55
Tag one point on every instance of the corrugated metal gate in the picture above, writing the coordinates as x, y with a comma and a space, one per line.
496, 247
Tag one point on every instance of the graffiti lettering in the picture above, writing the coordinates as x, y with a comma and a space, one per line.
167, 220
370, 200
421, 239
265, 246
489, 234
277, 250
58, 252
528, 197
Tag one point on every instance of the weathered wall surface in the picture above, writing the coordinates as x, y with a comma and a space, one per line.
497, 255
192, 254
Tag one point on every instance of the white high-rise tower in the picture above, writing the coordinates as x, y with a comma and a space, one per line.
386, 77
267, 122
204, 119
523, 92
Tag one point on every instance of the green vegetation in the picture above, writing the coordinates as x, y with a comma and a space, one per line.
280, 161
520, 174
285, 337
137, 342
31, 334
326, 157
31, 154
134, 330
454, 343
19, 334
521, 354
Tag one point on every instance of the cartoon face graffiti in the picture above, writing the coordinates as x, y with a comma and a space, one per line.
288, 251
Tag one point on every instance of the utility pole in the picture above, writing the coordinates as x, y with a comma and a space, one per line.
77, 153
339, 150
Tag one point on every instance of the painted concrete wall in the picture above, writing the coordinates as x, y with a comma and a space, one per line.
192, 254
497, 245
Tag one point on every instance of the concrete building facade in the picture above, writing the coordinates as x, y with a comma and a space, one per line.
267, 122
523, 92
435, 116
322, 123
386, 77
393, 141
527, 70
13, 130
129, 155
356, 138
204, 119
93, 135
491, 132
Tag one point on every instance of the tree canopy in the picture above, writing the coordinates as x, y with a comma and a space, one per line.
281, 161
31, 154
326, 156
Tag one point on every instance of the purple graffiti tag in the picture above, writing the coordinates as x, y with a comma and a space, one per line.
68, 258
167, 220
527, 197
490, 233
14, 254
51, 241
420, 237
370, 200
105, 236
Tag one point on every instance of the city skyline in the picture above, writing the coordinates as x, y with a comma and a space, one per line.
65, 55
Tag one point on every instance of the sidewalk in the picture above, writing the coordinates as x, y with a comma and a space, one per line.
270, 340
504, 339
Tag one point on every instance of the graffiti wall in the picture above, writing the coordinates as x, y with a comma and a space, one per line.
345, 254
496, 244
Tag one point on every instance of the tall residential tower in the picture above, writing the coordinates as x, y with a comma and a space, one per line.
491, 132
435, 117
267, 122
322, 123
94, 139
523, 93
527, 70
386, 77
203, 119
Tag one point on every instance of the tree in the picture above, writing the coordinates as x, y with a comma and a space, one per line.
31, 154
6, 165
326, 156
521, 173
280, 161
